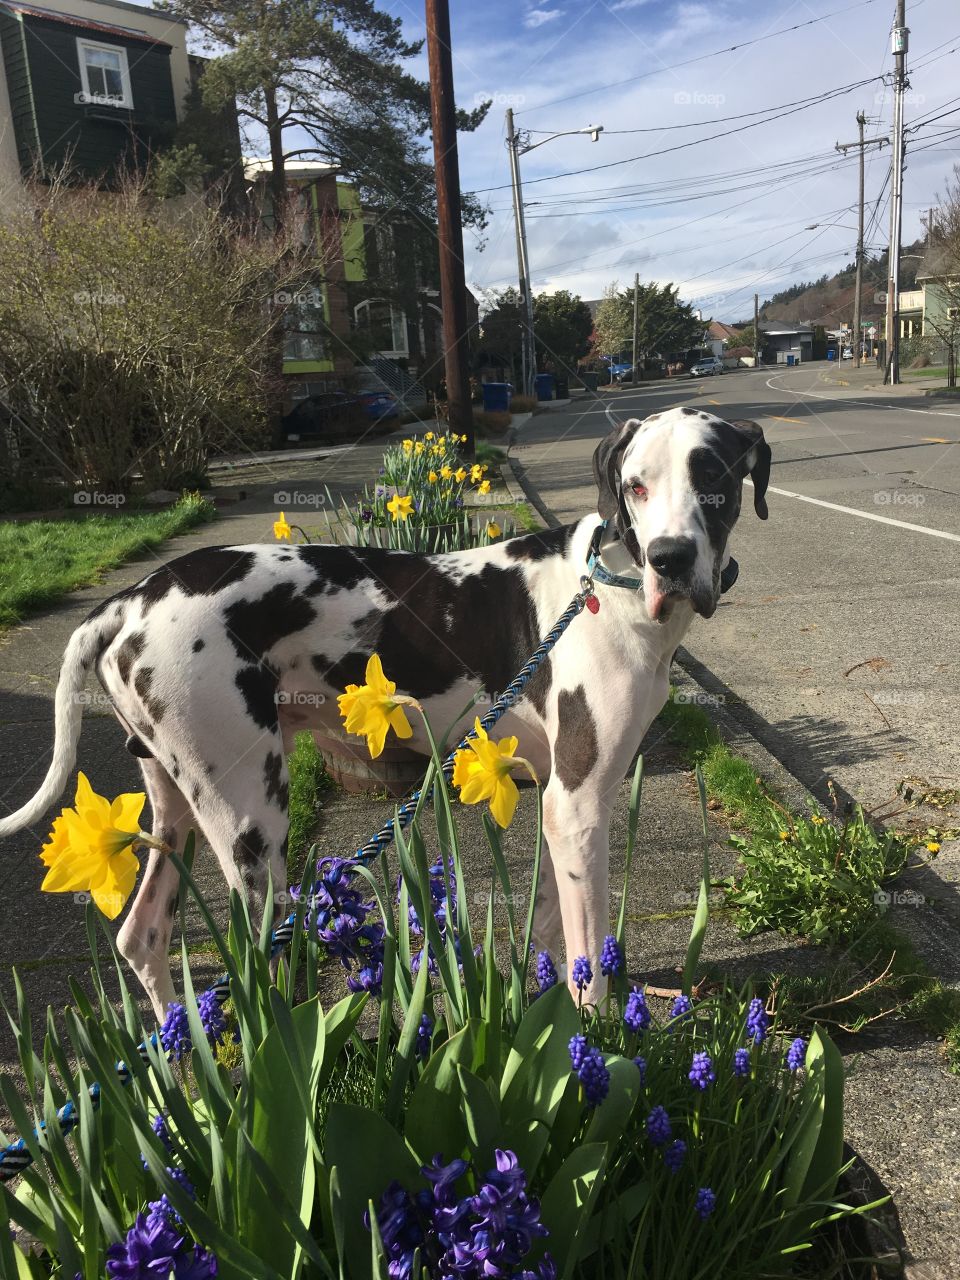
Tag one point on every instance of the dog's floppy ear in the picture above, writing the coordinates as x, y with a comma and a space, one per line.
606, 466
757, 458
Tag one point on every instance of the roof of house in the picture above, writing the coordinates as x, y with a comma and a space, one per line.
88, 24
254, 166
723, 332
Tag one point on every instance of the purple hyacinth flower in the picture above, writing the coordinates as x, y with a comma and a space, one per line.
424, 1038
681, 1007
582, 973
636, 1016
594, 1077
578, 1051
757, 1022
151, 1248
546, 971
641, 1065
659, 1129
175, 1032
797, 1054
200, 1264
611, 957
701, 1073
741, 1062
705, 1203
211, 1015
675, 1155
369, 979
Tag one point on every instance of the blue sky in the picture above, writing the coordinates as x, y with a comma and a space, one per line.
669, 216
720, 216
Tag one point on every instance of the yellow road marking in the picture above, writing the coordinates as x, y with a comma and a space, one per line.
775, 419
934, 440
713, 402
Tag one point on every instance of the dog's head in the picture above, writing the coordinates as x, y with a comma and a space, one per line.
671, 485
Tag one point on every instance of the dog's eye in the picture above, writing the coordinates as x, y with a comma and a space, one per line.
640, 490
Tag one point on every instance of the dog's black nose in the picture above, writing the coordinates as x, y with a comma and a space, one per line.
672, 557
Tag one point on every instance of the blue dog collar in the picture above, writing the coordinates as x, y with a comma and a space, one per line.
598, 573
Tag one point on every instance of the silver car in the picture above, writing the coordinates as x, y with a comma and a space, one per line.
706, 367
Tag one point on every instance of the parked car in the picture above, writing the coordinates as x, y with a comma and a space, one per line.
379, 405
847, 353
331, 413
706, 367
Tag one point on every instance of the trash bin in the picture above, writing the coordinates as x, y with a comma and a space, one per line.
590, 381
496, 397
563, 389
543, 383
831, 354
791, 360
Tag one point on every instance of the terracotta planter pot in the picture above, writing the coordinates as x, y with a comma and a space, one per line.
397, 770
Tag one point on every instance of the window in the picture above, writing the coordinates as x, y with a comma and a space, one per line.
305, 326
104, 74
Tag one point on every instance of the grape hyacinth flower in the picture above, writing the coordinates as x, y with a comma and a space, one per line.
797, 1054
659, 1129
701, 1073
681, 1007
674, 1155
582, 973
211, 1015
546, 971
757, 1022
163, 1208
641, 1065
578, 1051
636, 1015
741, 1062
175, 1031
424, 1038
594, 1077
611, 957
705, 1203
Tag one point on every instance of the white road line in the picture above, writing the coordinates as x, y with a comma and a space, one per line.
864, 515
871, 404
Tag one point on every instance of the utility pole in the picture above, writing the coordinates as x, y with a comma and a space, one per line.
523, 260
636, 314
861, 145
453, 285
756, 331
899, 42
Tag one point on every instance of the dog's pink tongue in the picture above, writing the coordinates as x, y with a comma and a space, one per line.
655, 602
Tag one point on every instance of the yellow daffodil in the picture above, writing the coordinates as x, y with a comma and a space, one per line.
784, 835
281, 530
493, 530
446, 472
89, 850
817, 820
419, 447
407, 446
460, 475
484, 488
481, 771
433, 477
400, 506
463, 439
370, 709
933, 846
476, 473
429, 436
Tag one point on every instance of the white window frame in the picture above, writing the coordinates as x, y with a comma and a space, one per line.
90, 95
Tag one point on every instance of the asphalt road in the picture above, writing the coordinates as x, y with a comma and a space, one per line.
840, 637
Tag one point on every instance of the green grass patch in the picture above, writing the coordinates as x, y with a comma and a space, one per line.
308, 780
41, 560
933, 371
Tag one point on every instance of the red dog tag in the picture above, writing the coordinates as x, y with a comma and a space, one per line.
593, 604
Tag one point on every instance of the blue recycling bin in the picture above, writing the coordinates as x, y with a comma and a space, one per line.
791, 360
543, 383
831, 354
496, 397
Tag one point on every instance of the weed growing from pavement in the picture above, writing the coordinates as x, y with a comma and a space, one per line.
876, 971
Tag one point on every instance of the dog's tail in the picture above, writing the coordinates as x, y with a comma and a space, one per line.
84, 647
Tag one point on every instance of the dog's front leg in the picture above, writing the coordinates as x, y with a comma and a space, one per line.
577, 829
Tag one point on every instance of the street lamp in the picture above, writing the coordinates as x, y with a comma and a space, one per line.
518, 144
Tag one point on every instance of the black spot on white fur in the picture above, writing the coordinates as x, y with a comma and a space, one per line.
575, 750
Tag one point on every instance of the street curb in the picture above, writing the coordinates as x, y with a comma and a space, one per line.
511, 480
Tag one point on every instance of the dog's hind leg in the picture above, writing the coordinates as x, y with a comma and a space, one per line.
144, 939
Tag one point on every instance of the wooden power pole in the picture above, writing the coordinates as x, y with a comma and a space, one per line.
636, 304
861, 145
900, 38
756, 331
453, 285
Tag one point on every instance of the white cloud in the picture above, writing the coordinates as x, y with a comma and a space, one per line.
622, 5
537, 17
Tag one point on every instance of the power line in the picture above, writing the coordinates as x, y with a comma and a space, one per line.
744, 44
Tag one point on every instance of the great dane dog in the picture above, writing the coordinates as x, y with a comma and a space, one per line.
214, 661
